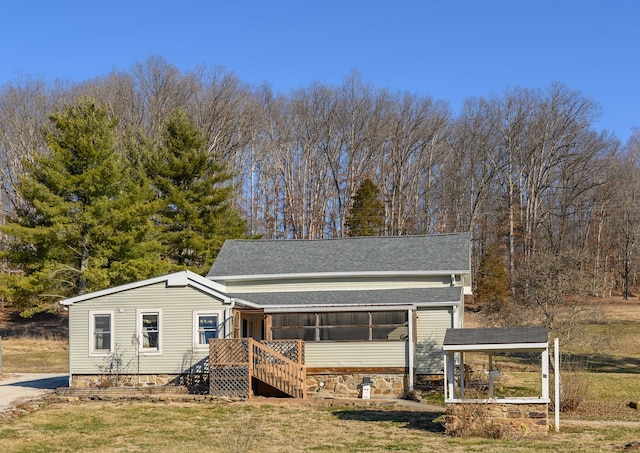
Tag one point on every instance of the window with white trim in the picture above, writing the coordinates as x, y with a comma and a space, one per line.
150, 331
206, 325
100, 332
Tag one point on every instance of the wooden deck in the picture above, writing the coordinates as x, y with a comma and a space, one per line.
234, 363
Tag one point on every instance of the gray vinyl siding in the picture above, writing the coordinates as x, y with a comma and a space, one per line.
431, 325
356, 354
177, 305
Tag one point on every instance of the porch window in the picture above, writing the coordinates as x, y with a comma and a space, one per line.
100, 331
294, 326
149, 331
341, 326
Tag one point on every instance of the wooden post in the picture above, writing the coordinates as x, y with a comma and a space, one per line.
0, 355
250, 365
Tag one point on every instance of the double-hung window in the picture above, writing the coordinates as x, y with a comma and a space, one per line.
150, 331
100, 332
205, 326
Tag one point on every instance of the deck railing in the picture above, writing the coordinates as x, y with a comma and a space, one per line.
234, 362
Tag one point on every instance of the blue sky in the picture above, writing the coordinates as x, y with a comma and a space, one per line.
449, 50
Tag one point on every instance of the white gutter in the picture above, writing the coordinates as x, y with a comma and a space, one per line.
453, 303
410, 352
228, 318
246, 303
495, 347
335, 308
442, 273
354, 307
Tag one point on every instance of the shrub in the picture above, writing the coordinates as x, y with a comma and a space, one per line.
575, 385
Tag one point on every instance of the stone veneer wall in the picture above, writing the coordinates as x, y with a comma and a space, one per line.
137, 380
350, 385
496, 420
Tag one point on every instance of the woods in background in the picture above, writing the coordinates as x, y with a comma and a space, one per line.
524, 171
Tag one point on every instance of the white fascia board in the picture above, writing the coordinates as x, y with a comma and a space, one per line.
336, 308
212, 292
246, 303
355, 307
443, 273
116, 289
188, 278
495, 347
177, 279
453, 303
183, 278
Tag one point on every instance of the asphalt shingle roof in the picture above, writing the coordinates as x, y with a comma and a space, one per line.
362, 254
349, 298
484, 336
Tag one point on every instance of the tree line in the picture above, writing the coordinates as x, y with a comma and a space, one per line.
524, 171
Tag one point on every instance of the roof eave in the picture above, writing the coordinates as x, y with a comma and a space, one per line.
494, 347
335, 308
418, 273
355, 307
183, 278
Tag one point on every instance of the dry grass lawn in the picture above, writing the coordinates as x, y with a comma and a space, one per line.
34, 355
284, 426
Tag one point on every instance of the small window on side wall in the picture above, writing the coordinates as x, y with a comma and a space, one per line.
100, 332
205, 327
150, 331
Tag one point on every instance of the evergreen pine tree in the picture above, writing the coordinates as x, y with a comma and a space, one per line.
85, 224
366, 217
492, 282
194, 189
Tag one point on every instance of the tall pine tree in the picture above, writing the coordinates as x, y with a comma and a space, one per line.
193, 187
366, 217
86, 223
492, 282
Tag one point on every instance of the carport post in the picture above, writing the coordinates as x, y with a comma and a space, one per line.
556, 382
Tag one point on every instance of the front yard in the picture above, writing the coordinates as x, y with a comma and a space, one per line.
281, 426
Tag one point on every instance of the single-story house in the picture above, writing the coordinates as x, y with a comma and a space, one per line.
367, 309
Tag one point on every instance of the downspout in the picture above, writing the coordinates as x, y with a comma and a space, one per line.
65, 308
410, 325
228, 316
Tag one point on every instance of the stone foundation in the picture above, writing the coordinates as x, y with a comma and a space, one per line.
335, 385
496, 420
350, 385
80, 381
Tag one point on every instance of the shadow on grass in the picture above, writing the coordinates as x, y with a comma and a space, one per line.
595, 363
424, 421
601, 363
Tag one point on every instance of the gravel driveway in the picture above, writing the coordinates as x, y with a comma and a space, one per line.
18, 387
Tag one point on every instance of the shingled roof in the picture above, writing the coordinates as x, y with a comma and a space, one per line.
493, 338
404, 296
447, 253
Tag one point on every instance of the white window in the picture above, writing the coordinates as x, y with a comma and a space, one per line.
206, 325
150, 331
100, 332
